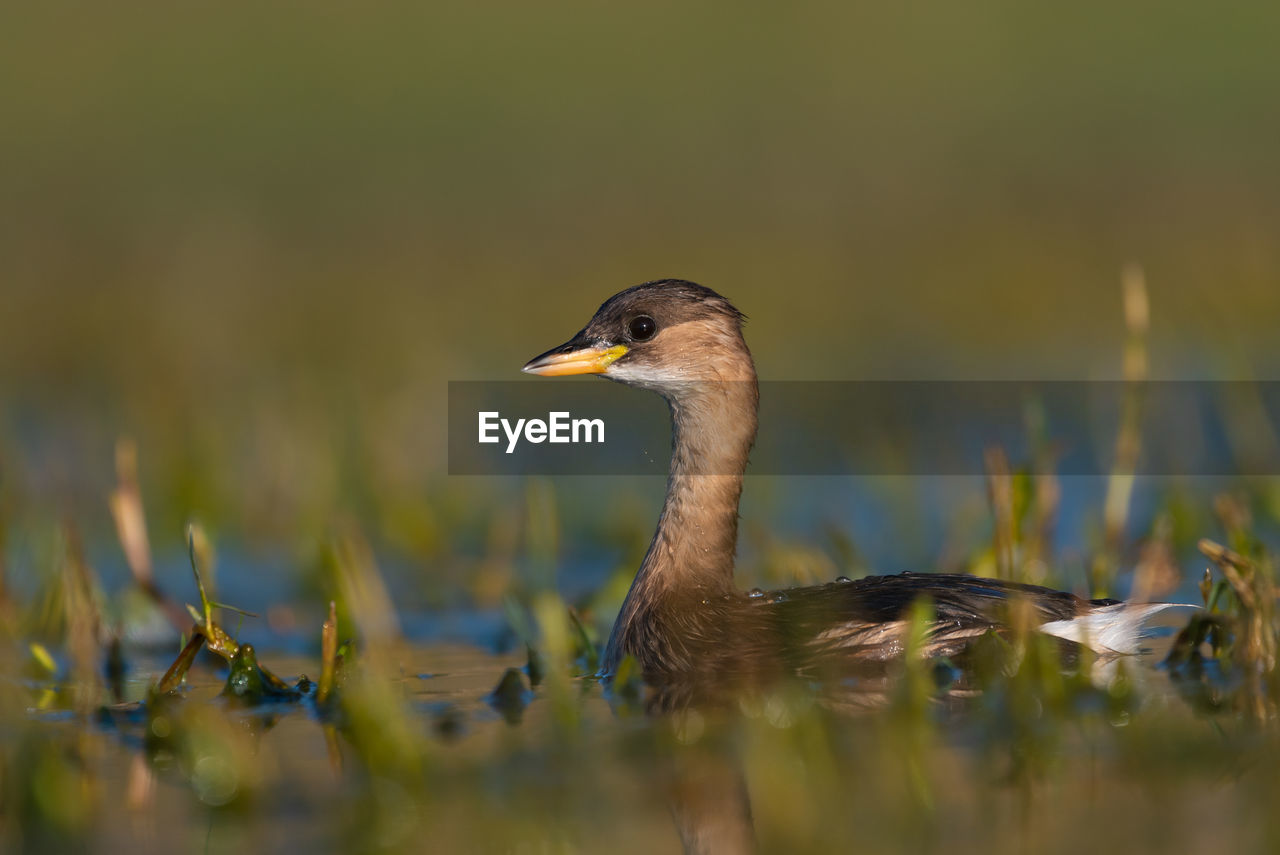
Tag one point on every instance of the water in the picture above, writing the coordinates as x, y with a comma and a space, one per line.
779, 768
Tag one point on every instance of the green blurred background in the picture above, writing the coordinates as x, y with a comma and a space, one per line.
260, 239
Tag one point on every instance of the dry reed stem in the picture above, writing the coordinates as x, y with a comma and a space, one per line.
1000, 494
329, 655
1128, 447
84, 625
173, 677
130, 518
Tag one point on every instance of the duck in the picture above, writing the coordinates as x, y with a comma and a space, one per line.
683, 617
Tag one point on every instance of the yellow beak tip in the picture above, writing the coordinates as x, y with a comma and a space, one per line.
587, 360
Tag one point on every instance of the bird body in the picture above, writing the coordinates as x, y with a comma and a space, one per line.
683, 615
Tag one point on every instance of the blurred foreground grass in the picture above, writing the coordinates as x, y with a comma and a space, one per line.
401, 746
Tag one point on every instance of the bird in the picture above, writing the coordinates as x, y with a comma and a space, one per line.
683, 617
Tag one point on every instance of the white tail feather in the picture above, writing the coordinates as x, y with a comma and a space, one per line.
1110, 629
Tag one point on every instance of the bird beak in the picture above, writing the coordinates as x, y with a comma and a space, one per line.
572, 359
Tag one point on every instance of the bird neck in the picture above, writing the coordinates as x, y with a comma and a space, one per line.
691, 556
712, 433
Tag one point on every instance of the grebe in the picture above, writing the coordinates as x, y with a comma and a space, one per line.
683, 617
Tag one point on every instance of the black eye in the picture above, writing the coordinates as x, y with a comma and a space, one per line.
642, 327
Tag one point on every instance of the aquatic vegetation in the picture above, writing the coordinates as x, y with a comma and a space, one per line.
1225, 656
528, 747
